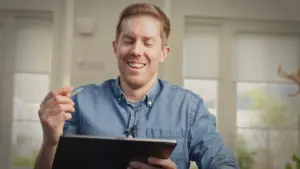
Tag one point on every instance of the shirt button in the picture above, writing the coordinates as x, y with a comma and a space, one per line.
149, 103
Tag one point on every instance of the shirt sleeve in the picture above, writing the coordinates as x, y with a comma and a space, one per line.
71, 126
206, 147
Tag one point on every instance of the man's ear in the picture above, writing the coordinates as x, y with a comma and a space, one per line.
114, 45
165, 51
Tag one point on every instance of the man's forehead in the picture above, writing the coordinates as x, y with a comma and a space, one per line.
145, 25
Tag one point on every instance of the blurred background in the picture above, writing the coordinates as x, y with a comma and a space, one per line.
227, 51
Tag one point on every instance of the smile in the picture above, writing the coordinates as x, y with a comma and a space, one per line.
136, 65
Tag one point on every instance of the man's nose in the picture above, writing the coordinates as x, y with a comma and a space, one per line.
137, 49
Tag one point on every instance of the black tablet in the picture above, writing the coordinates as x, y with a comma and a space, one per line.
91, 152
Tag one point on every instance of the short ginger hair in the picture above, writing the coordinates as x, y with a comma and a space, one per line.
139, 9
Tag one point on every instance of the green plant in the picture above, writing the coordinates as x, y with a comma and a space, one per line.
295, 159
24, 161
19, 159
245, 157
276, 113
273, 111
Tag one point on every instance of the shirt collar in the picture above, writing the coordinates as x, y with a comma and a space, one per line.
148, 99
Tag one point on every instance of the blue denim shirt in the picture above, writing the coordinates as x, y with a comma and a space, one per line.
166, 112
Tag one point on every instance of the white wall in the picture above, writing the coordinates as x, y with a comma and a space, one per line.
29, 4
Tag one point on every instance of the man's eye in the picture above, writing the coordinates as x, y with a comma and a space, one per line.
128, 42
148, 44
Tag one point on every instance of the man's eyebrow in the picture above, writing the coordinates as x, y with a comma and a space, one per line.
149, 38
145, 38
127, 37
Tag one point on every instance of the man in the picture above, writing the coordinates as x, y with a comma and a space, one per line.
137, 98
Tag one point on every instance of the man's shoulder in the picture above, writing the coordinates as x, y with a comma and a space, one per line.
179, 92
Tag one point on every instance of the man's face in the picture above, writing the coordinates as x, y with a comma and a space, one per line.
139, 50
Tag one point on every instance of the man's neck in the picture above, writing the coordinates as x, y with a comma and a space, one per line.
137, 94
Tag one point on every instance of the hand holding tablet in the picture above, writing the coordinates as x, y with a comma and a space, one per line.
92, 152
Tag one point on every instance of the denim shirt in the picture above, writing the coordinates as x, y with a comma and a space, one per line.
166, 112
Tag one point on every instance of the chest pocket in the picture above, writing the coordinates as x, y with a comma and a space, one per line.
165, 133
178, 134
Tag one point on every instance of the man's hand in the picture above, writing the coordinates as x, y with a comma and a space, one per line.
154, 163
54, 110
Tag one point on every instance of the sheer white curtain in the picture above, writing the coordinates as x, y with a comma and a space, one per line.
259, 55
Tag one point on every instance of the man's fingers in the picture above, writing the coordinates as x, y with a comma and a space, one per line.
57, 109
154, 163
57, 100
66, 89
61, 91
63, 100
55, 120
164, 163
62, 108
52, 120
67, 116
138, 165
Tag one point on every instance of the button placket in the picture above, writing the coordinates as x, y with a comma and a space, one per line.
134, 119
149, 103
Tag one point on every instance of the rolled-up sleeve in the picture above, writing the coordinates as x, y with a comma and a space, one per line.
206, 147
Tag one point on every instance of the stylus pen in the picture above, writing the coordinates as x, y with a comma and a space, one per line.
76, 92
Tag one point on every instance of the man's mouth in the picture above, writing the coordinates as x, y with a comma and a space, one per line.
136, 65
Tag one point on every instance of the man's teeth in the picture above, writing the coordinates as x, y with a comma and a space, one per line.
136, 65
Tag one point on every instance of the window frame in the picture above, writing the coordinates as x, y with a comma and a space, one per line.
10, 19
227, 80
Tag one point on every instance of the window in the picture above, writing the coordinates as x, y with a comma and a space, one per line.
27, 132
267, 118
201, 64
201, 61
257, 56
267, 121
201, 49
207, 89
31, 84
232, 59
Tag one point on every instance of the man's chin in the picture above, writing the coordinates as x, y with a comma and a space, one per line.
134, 81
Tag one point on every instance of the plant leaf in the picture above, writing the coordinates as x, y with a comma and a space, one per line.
288, 166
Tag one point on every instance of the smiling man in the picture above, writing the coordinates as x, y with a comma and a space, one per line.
137, 99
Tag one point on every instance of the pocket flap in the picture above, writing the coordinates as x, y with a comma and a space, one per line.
165, 133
